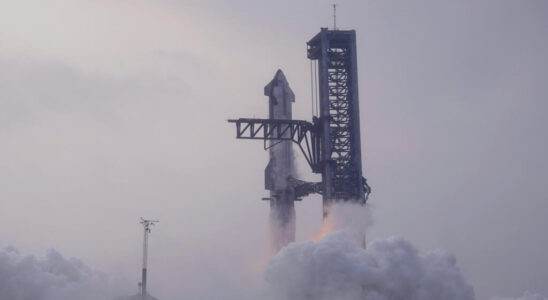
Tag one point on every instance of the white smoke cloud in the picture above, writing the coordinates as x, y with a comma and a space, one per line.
52, 277
338, 267
335, 267
347, 216
526, 296
391, 269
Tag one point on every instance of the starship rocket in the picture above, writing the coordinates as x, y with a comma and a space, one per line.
280, 167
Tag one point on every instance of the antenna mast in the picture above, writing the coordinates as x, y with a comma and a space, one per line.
334, 16
146, 225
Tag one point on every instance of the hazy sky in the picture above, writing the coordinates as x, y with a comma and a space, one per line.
113, 110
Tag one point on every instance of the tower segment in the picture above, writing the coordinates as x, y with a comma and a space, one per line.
339, 115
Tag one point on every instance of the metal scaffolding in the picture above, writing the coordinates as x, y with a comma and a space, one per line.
335, 51
331, 143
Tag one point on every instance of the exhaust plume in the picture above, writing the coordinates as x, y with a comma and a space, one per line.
348, 216
51, 277
338, 267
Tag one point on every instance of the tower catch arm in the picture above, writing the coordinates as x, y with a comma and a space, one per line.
302, 133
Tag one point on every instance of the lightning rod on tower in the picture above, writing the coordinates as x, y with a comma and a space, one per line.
334, 16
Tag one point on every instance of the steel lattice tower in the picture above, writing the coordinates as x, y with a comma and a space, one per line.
331, 142
335, 51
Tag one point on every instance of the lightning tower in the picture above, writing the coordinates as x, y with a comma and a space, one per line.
146, 225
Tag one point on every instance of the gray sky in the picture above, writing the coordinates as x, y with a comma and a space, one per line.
113, 110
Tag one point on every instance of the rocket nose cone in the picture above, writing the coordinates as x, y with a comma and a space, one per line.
278, 80
280, 75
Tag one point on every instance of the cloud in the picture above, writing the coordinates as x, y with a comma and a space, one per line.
337, 268
526, 296
51, 277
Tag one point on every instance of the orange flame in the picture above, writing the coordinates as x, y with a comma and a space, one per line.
327, 227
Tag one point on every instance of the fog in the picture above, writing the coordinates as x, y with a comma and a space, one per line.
51, 277
115, 110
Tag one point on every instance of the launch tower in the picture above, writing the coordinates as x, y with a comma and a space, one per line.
331, 142
339, 115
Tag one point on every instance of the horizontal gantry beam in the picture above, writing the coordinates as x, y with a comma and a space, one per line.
303, 133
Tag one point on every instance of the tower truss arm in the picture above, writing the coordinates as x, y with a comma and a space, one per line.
302, 133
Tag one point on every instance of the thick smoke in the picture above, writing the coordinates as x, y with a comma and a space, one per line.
51, 277
391, 269
335, 267
526, 296
282, 226
352, 218
338, 267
